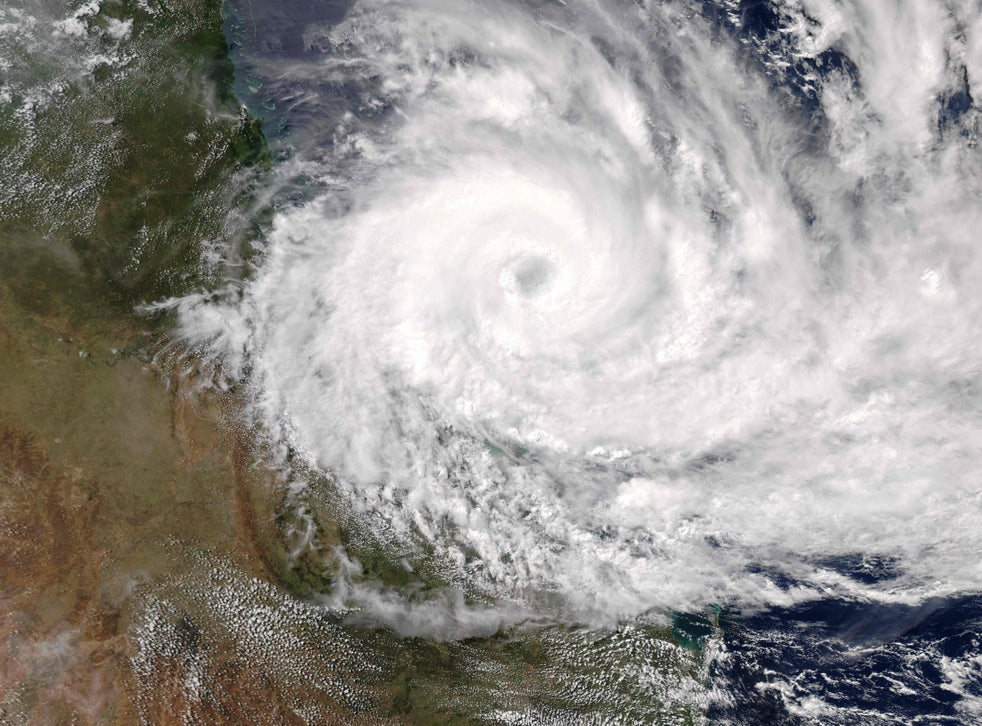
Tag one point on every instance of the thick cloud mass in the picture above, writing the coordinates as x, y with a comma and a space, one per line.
595, 308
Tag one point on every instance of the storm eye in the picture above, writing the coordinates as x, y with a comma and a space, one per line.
527, 276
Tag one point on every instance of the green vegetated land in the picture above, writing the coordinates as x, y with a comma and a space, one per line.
119, 153
146, 575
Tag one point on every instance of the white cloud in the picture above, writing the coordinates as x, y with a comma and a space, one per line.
552, 253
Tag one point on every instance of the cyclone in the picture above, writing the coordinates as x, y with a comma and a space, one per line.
585, 304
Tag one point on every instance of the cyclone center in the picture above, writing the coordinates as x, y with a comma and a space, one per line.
527, 276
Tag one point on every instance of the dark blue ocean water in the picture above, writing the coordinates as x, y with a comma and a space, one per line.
856, 663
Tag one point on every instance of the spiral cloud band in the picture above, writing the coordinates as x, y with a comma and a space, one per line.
600, 314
